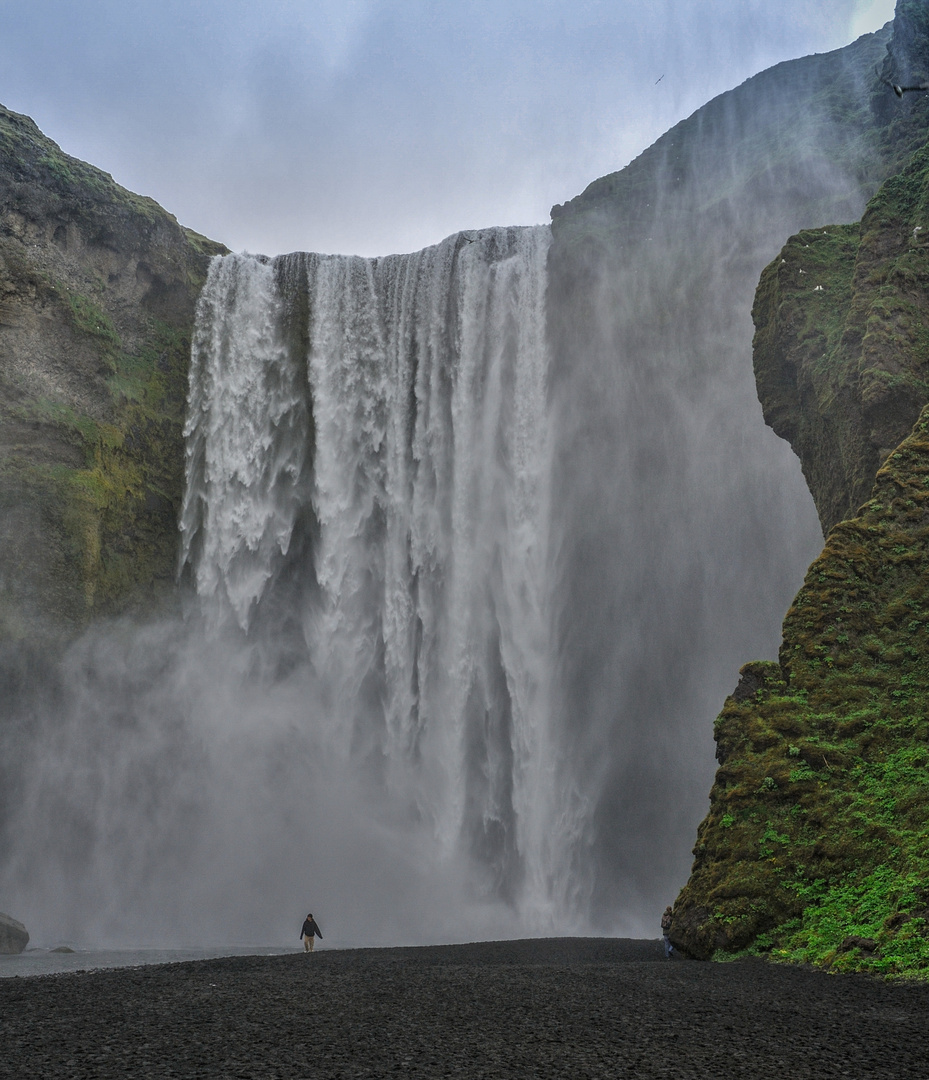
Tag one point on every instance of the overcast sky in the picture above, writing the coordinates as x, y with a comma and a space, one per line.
375, 126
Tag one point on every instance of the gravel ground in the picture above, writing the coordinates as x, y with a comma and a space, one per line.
573, 1008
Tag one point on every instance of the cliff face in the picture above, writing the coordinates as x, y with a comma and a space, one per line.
842, 316
652, 279
97, 294
842, 342
814, 846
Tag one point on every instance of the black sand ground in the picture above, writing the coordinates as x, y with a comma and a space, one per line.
552, 1008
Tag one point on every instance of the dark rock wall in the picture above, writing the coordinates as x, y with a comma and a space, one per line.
842, 341
97, 294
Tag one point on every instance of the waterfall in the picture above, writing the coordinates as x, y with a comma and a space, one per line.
477, 541
368, 491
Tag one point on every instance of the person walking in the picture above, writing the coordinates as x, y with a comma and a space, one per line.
665, 932
309, 929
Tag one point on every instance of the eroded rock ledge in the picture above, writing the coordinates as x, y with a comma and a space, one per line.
841, 348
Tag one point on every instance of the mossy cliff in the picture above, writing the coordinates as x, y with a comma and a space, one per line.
652, 279
815, 847
97, 294
842, 342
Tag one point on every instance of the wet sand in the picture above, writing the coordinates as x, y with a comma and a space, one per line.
570, 1007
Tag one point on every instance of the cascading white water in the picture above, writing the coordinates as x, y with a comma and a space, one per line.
467, 613
368, 460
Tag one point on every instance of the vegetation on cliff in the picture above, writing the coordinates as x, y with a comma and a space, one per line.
97, 294
815, 845
842, 341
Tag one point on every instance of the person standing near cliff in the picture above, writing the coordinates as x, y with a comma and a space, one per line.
665, 932
309, 930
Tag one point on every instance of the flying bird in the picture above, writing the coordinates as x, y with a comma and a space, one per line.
658, 80
901, 90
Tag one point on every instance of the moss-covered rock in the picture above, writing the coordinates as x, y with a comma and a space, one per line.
816, 846
841, 348
98, 288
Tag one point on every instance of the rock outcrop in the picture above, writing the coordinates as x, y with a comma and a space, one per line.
652, 279
13, 935
814, 847
97, 294
815, 836
842, 342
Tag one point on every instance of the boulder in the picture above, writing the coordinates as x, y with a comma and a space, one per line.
13, 935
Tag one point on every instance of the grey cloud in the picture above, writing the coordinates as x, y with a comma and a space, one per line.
380, 126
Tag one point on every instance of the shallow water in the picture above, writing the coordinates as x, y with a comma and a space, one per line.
49, 962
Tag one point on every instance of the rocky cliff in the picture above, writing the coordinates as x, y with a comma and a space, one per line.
814, 848
97, 294
653, 275
842, 345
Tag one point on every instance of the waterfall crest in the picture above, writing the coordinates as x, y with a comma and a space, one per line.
368, 465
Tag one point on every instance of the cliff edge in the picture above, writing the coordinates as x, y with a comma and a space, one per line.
814, 848
841, 349
97, 294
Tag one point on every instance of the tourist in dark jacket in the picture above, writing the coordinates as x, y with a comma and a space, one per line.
665, 932
309, 929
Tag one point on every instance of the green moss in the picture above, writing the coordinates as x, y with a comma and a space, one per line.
58, 165
203, 245
92, 474
816, 845
115, 512
842, 340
